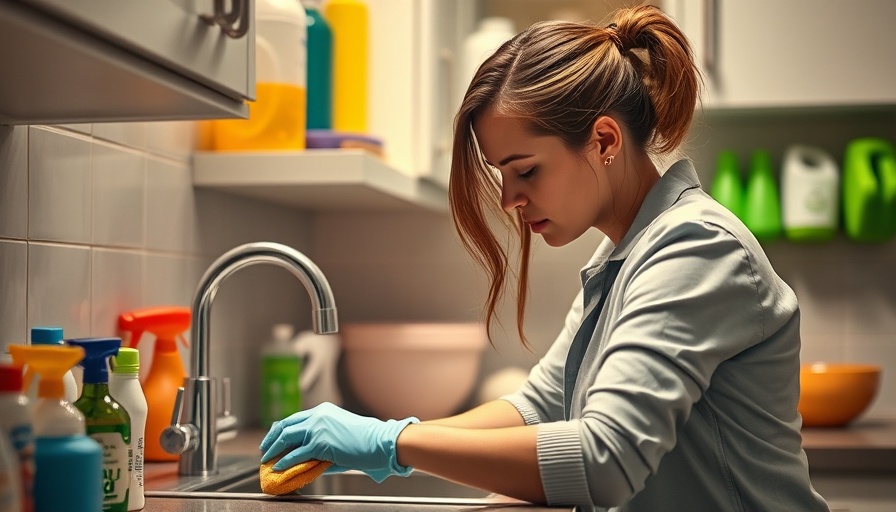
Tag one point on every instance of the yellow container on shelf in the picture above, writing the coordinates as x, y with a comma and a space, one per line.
349, 21
277, 117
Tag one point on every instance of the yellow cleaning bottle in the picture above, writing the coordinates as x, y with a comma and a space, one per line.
166, 368
349, 20
278, 116
68, 464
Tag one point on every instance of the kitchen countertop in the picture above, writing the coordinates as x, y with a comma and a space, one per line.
869, 445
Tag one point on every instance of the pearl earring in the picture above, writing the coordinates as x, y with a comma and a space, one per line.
609, 160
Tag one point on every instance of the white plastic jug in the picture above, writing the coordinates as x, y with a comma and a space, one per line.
810, 184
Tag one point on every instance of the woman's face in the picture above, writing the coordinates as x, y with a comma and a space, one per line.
557, 192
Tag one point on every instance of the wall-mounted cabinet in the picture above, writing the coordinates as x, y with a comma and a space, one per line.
799, 53
72, 61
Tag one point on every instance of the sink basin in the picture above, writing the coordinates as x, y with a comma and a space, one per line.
238, 478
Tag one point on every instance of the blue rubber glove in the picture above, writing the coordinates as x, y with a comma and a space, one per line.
349, 441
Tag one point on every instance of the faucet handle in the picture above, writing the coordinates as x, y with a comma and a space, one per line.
178, 406
177, 438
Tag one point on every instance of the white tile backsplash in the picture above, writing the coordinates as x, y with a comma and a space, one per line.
13, 297
172, 139
172, 279
118, 197
170, 207
116, 287
13, 181
59, 287
132, 135
59, 195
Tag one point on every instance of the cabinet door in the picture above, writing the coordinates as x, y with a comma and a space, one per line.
169, 33
769, 53
440, 33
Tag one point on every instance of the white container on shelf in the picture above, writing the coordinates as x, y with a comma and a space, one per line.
490, 34
810, 193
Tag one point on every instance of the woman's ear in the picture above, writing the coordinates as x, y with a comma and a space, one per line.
606, 138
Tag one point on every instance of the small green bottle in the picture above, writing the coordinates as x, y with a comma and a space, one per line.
762, 204
727, 186
107, 421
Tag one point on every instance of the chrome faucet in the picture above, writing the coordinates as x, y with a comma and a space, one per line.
195, 423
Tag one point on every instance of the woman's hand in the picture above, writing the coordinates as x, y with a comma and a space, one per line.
330, 433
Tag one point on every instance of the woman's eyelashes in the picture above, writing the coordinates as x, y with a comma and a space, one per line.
529, 173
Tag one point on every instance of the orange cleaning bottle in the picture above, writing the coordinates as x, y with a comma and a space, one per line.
166, 369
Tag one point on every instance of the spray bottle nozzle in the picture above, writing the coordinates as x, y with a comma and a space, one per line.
50, 362
167, 323
96, 352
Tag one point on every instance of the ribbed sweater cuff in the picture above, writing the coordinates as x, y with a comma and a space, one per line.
561, 462
529, 414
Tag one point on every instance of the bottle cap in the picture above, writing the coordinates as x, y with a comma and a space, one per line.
127, 361
96, 351
50, 362
46, 336
10, 379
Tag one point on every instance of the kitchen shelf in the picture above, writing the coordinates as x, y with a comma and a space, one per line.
317, 180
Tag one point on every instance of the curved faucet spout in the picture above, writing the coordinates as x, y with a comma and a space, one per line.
323, 306
195, 423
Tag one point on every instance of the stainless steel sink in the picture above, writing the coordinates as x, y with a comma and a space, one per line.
238, 478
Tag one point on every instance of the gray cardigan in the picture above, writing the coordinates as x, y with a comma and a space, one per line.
687, 392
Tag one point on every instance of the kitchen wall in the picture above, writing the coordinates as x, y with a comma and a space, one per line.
98, 219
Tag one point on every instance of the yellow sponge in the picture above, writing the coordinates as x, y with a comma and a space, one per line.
284, 482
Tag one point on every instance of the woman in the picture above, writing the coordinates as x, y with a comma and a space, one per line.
674, 384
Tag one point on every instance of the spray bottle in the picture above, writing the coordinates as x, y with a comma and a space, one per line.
68, 464
15, 428
166, 369
50, 336
107, 421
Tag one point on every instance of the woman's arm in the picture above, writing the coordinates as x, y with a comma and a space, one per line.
502, 460
494, 414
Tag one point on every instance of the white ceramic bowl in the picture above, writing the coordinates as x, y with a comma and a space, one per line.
427, 370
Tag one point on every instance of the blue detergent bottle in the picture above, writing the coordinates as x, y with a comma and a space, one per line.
320, 68
107, 421
68, 464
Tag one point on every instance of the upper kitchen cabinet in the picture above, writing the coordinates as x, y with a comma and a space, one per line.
798, 53
73, 61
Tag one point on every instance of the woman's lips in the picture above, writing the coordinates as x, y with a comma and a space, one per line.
538, 226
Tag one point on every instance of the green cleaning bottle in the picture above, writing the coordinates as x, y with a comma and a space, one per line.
107, 421
762, 204
727, 186
281, 369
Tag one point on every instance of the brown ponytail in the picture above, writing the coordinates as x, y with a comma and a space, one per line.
665, 62
560, 77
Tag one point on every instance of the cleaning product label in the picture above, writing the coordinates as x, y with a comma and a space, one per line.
118, 463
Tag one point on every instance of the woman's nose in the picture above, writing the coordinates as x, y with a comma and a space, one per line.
511, 198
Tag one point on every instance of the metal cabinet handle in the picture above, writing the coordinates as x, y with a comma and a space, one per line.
227, 19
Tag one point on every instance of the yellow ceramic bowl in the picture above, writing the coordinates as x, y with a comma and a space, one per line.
834, 394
